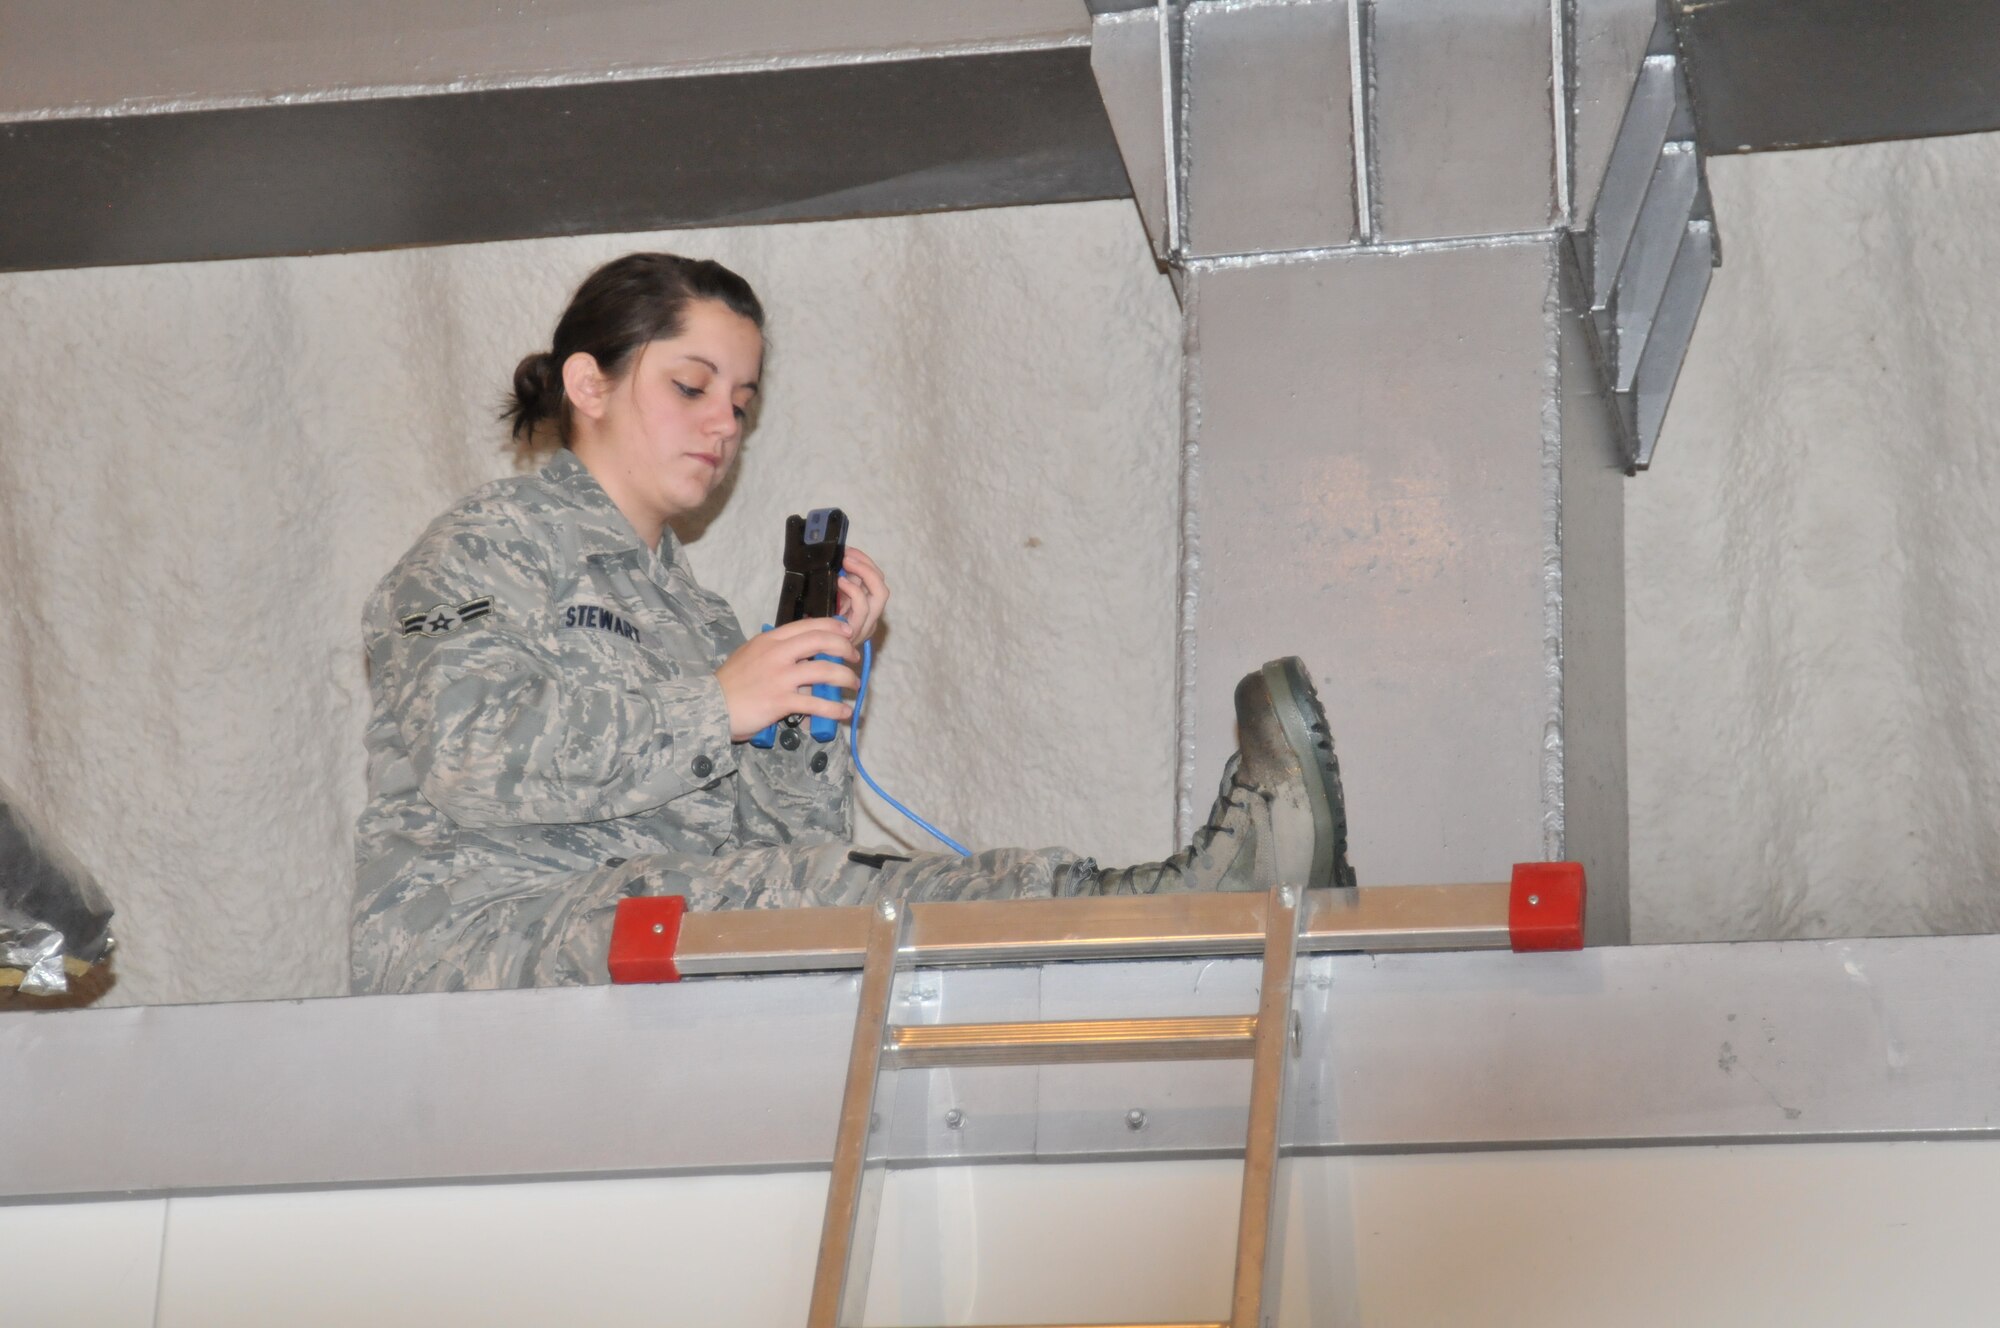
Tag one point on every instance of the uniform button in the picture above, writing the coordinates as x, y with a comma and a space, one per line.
703, 767
818, 763
789, 739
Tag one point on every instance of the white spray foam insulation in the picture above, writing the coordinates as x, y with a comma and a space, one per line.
1813, 614
205, 468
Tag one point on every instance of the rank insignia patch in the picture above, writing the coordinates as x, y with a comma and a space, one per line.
447, 617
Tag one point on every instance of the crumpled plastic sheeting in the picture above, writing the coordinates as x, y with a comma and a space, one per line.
51, 909
35, 950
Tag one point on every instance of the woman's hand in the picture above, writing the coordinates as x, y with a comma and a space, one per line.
770, 675
863, 595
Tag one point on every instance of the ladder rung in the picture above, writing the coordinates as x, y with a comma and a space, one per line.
1072, 1042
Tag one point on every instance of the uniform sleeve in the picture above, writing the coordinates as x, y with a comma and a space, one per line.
508, 722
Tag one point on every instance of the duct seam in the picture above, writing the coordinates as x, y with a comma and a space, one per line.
1183, 167
1236, 6
1275, 257
1553, 791
525, 82
1189, 587
1561, 85
1169, 137
1361, 80
1145, 13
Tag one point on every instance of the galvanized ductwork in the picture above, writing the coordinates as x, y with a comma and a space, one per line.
1402, 459
1649, 249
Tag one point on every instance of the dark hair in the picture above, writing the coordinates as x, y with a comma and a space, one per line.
619, 308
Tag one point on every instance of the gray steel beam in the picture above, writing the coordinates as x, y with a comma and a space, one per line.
825, 141
1773, 74
209, 129
1820, 1040
105, 57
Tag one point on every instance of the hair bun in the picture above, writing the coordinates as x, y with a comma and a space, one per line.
537, 395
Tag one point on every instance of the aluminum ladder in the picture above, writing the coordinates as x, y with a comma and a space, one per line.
1541, 908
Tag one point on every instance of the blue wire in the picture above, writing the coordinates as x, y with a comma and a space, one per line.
854, 751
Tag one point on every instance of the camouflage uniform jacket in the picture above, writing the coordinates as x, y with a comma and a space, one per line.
544, 704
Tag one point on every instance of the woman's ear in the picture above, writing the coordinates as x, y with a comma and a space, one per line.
585, 385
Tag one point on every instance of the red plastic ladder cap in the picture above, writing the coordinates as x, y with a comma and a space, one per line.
644, 937
1545, 908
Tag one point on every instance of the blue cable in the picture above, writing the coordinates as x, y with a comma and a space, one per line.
854, 751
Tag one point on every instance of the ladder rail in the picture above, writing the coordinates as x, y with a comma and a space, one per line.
853, 1190
1256, 1252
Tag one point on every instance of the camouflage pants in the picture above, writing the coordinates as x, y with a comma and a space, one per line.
483, 932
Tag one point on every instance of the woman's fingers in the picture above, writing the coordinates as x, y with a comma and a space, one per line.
860, 564
823, 673
812, 636
857, 609
865, 593
808, 704
860, 567
771, 675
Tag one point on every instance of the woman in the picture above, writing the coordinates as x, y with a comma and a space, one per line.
561, 712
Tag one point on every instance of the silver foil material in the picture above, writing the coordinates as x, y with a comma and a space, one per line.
51, 908
35, 949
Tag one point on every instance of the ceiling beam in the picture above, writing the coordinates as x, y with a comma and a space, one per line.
448, 121
1775, 74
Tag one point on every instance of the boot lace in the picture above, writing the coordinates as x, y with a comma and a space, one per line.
1147, 877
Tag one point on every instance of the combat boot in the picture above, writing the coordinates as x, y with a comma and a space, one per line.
1279, 805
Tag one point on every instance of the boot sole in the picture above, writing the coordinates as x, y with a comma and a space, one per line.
1300, 716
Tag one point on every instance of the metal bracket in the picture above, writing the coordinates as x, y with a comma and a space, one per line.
1649, 251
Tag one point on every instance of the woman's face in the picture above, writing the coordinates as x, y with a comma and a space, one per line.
671, 427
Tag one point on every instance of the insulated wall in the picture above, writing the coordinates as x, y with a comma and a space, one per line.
1814, 561
205, 468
